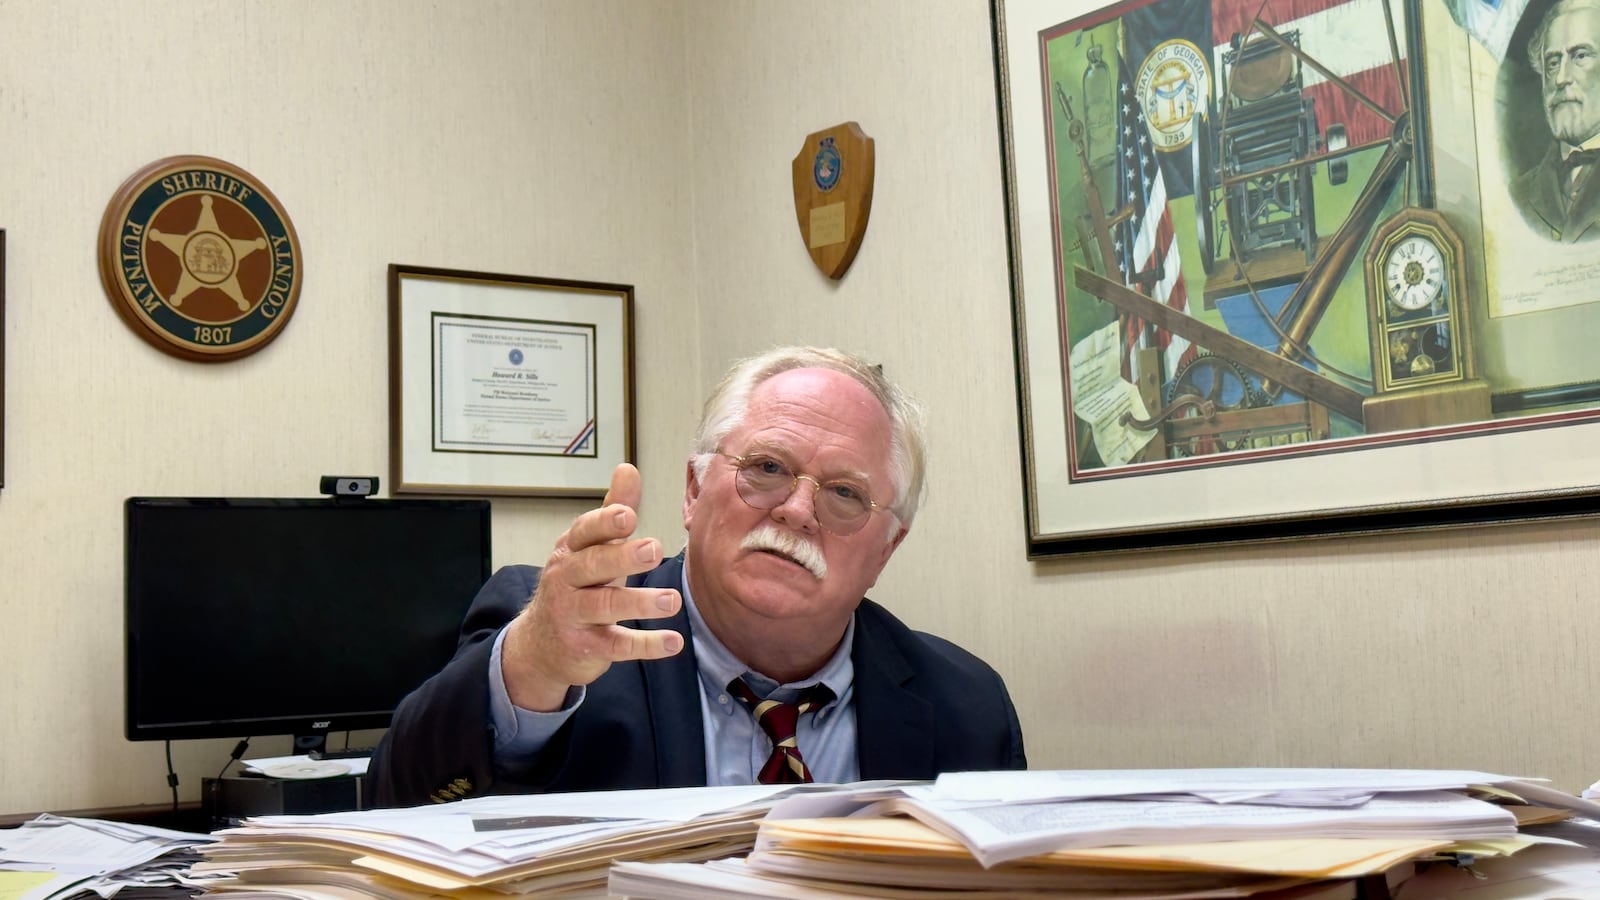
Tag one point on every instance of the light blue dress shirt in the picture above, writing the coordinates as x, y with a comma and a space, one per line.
736, 748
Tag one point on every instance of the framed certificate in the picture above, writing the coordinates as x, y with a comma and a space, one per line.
507, 384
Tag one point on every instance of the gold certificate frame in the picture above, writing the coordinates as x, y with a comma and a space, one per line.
507, 384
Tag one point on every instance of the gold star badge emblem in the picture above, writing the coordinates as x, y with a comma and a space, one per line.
199, 258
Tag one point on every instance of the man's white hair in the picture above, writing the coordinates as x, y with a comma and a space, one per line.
726, 407
1536, 42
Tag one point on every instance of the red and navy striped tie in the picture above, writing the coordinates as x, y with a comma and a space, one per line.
778, 720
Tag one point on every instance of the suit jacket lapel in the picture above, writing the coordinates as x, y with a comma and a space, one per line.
893, 725
1545, 194
1585, 212
672, 689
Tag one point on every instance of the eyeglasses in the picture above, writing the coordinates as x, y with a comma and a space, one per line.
842, 506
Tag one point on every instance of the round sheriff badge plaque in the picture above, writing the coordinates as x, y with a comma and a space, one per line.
200, 259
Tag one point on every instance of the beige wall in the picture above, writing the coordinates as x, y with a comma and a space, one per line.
530, 138
649, 143
1465, 648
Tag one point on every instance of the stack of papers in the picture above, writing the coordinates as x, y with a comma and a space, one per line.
1161, 834
1169, 834
54, 856
1551, 870
999, 832
551, 844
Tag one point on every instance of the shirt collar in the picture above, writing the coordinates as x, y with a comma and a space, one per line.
1591, 144
718, 665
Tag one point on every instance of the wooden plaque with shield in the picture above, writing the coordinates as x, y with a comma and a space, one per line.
833, 195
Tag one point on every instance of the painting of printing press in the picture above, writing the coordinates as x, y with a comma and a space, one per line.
1247, 197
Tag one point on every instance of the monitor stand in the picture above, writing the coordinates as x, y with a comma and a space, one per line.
309, 744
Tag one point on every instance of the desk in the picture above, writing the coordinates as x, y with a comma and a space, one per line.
182, 817
226, 800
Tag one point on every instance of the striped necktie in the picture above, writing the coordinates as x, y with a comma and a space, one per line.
778, 720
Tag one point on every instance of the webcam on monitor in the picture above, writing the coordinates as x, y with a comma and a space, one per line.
350, 485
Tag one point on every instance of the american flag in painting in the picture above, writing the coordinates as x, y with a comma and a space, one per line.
1144, 240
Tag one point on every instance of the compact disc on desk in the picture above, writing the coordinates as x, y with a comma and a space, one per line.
315, 768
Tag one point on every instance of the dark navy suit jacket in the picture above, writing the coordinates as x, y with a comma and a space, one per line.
923, 706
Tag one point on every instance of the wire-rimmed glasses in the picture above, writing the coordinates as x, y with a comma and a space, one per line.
842, 505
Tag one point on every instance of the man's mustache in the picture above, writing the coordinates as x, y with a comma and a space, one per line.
770, 537
1564, 97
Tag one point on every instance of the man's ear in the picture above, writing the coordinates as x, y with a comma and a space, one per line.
691, 493
889, 547
894, 543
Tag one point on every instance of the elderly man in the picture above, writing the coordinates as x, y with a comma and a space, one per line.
750, 656
1560, 193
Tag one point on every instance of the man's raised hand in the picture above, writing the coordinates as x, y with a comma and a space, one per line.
568, 633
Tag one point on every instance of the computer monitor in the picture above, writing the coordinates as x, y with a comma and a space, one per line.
258, 616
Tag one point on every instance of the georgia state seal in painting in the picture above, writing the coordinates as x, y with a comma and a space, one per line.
1170, 84
200, 259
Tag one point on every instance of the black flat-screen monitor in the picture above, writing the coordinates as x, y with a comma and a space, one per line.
255, 616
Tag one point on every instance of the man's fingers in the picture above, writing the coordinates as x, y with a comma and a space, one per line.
627, 488
574, 637
609, 605
609, 523
596, 549
638, 643
605, 563
569, 633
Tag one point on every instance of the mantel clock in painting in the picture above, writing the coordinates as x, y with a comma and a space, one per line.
1423, 373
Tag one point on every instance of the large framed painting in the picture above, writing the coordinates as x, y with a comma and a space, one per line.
1284, 268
